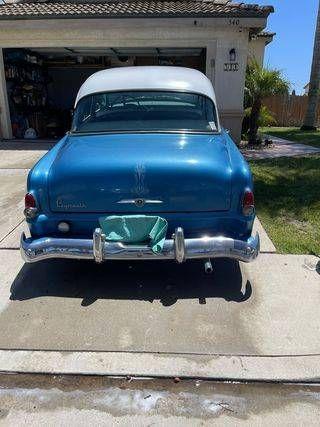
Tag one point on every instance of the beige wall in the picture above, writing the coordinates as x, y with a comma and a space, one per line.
229, 85
218, 36
257, 47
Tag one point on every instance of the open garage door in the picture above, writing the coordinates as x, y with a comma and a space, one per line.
42, 83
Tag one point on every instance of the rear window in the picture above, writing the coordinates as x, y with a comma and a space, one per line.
145, 111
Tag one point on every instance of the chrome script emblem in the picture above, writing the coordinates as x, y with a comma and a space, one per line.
139, 202
68, 205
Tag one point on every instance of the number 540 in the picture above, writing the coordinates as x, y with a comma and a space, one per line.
234, 21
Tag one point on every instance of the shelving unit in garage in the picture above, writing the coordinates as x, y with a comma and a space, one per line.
26, 83
42, 83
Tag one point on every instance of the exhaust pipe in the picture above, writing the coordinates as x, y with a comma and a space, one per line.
208, 266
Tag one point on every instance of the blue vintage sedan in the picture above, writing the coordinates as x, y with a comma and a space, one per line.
145, 142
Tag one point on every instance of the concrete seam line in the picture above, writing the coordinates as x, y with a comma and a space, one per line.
312, 381
11, 231
302, 369
4, 248
155, 353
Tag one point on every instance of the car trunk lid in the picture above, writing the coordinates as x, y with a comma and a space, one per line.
114, 173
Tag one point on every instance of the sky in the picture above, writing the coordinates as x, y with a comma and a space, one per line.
294, 21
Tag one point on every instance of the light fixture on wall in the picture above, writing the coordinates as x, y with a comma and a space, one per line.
232, 54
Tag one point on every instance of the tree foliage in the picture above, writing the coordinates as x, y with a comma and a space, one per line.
266, 118
261, 83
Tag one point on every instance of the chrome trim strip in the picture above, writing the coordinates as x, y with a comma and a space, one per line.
160, 131
134, 201
33, 250
30, 213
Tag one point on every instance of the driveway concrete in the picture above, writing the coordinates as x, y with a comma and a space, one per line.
268, 308
12, 191
21, 155
15, 161
160, 307
266, 244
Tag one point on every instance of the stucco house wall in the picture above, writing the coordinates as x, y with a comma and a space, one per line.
218, 36
257, 46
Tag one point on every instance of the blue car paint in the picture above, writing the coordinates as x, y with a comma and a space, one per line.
200, 178
182, 171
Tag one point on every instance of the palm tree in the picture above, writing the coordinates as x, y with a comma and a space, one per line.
311, 113
261, 83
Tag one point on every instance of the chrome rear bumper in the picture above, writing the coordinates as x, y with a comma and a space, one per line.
178, 248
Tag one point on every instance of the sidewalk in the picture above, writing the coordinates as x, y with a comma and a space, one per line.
281, 148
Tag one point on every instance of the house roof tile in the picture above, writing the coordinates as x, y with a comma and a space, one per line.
131, 8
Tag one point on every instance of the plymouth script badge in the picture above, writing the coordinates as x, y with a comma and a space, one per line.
70, 205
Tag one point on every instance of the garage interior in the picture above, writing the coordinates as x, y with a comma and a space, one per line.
42, 83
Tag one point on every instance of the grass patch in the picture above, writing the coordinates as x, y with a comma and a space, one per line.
287, 192
294, 134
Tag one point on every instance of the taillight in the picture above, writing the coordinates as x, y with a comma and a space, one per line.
248, 203
29, 201
30, 206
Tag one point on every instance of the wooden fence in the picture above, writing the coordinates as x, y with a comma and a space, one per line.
289, 110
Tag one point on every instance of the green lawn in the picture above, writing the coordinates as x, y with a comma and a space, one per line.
287, 192
294, 134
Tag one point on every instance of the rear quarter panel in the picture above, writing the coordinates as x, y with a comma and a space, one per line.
241, 173
37, 182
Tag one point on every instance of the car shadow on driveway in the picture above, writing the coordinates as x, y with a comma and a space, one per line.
147, 281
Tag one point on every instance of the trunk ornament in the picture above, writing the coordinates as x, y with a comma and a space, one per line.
139, 202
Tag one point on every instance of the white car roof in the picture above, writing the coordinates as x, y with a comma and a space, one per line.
147, 78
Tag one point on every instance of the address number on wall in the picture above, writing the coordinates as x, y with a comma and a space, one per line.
231, 66
234, 21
